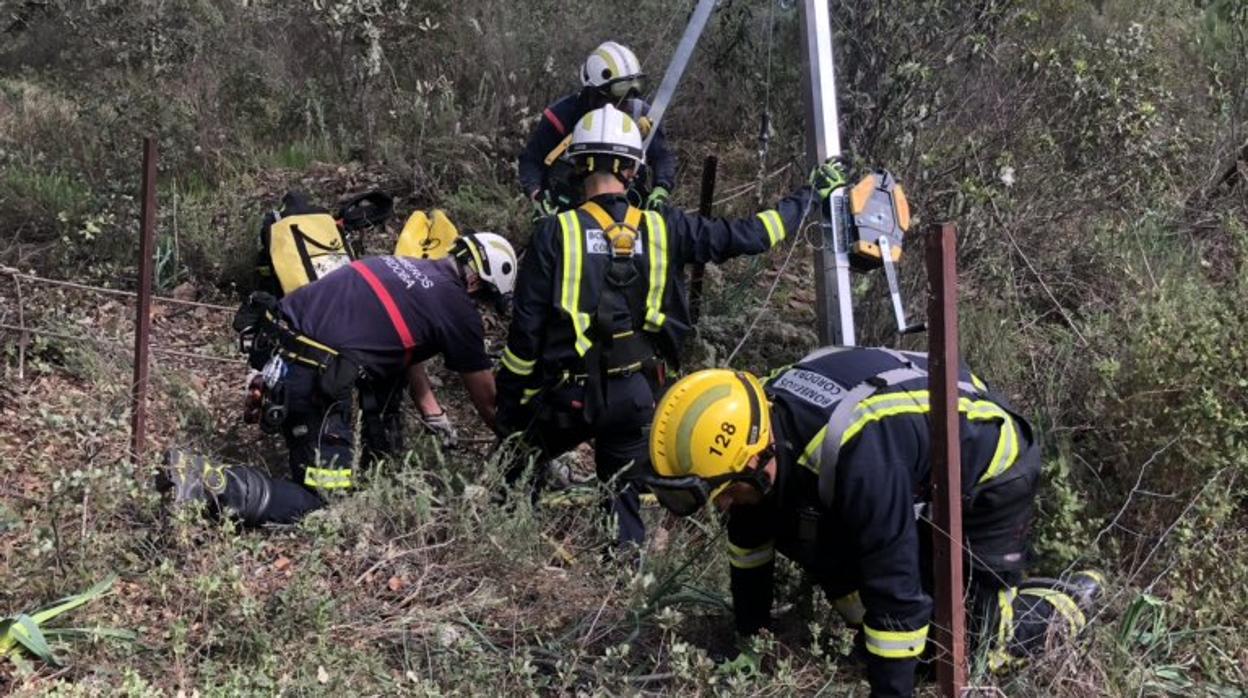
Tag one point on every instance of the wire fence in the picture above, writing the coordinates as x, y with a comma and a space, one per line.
23, 328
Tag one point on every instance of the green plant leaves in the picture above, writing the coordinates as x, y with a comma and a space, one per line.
24, 630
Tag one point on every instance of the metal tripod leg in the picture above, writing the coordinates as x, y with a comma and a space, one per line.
894, 290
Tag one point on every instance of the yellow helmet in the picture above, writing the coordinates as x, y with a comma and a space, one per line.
709, 424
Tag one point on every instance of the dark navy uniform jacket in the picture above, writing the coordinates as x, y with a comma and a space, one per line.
563, 273
558, 121
342, 311
860, 535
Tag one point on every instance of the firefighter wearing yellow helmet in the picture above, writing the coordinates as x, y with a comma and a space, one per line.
600, 311
827, 463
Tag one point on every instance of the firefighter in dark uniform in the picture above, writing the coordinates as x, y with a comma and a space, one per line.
611, 75
365, 324
600, 307
828, 465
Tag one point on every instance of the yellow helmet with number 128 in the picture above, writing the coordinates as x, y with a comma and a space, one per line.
710, 424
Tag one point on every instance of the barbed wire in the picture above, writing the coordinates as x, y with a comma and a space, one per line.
109, 341
740, 190
111, 291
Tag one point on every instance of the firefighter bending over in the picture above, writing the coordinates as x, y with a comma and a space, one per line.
828, 465
368, 324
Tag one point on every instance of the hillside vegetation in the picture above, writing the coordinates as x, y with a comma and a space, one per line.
1094, 156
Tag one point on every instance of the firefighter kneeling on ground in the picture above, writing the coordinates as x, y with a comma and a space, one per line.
600, 308
829, 465
368, 324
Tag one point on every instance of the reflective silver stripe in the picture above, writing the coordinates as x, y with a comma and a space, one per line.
896, 644
656, 251
517, 365
861, 406
750, 558
775, 226
570, 288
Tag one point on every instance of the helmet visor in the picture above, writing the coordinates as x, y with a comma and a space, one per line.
683, 496
624, 88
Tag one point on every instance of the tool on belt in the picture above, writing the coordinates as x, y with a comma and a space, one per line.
271, 346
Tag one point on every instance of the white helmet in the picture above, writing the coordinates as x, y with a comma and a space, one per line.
491, 257
606, 131
612, 68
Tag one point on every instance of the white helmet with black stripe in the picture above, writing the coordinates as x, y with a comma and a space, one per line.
606, 139
491, 257
612, 68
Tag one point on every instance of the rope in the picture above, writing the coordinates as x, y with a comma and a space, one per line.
111, 291
764, 127
740, 190
104, 341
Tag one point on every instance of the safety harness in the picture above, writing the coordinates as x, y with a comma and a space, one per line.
861, 406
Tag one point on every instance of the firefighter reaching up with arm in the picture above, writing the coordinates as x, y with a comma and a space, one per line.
600, 308
828, 464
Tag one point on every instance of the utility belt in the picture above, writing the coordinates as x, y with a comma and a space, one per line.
270, 344
633, 356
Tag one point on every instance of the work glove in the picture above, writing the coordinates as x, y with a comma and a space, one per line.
544, 204
439, 425
657, 198
746, 663
828, 177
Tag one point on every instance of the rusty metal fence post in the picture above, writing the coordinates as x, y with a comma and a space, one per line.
950, 627
143, 304
710, 167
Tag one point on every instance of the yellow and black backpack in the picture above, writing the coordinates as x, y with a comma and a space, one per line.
426, 236
299, 243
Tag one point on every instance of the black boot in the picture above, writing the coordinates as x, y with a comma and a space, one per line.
240, 491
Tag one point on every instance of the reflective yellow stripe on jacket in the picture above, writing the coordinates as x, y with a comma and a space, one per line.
878, 407
749, 558
327, 478
896, 644
1063, 604
774, 224
656, 252
517, 365
1000, 657
570, 291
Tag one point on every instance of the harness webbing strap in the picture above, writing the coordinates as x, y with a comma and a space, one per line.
632, 219
861, 406
557, 151
387, 302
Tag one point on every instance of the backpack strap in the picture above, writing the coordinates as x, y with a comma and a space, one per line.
558, 151
392, 308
